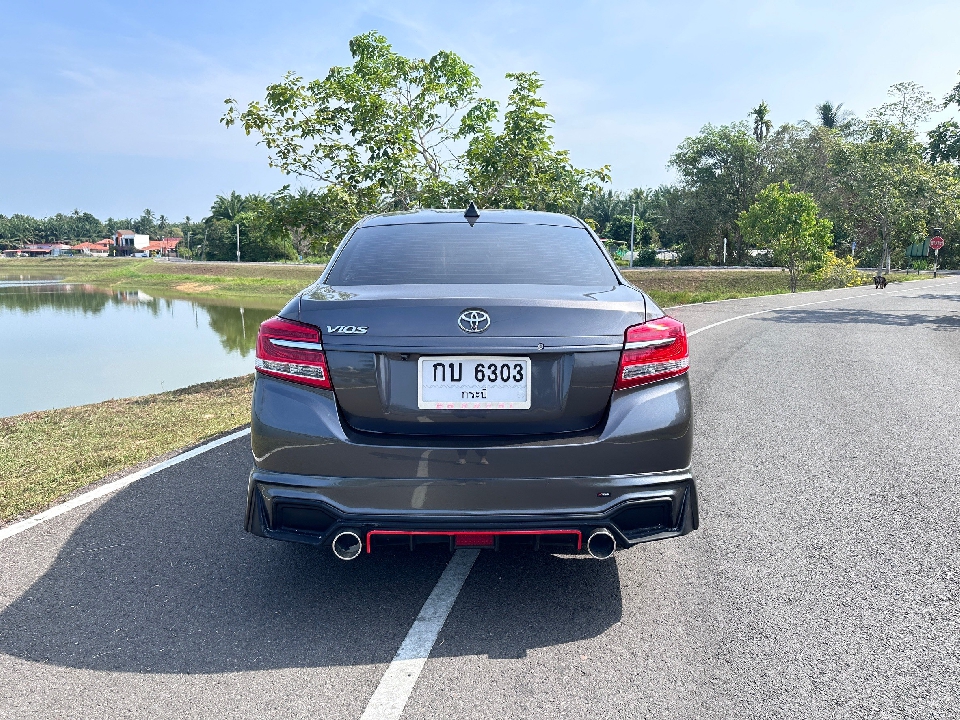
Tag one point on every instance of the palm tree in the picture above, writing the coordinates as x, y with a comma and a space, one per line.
829, 114
761, 122
228, 208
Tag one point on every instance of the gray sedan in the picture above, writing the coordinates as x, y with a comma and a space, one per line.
481, 380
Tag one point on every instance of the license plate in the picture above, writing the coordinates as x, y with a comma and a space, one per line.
467, 382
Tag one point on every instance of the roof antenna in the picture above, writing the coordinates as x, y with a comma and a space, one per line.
472, 214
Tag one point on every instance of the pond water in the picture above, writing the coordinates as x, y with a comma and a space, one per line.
69, 344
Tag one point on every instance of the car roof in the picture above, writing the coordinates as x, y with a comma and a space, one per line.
520, 217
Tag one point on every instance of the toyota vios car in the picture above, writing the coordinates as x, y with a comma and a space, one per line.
477, 380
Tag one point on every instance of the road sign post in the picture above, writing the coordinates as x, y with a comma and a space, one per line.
935, 244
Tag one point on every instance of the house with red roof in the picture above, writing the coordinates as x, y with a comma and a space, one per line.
39, 250
101, 248
165, 246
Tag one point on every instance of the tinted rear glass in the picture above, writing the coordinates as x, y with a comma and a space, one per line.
485, 254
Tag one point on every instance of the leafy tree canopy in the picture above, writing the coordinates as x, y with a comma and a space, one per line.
762, 125
519, 167
911, 105
787, 223
401, 133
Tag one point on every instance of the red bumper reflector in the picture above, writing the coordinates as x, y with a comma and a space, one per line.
485, 538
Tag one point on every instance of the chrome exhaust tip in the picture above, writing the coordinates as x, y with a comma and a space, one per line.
601, 544
347, 545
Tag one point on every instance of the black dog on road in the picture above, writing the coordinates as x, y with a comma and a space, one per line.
879, 282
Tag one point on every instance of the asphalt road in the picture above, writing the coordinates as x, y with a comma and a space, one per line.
823, 581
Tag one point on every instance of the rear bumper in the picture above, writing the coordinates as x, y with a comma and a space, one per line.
298, 430
315, 509
315, 476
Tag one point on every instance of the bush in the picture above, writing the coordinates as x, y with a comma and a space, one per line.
646, 257
837, 272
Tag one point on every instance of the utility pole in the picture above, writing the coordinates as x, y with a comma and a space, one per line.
724, 251
633, 212
188, 240
238, 242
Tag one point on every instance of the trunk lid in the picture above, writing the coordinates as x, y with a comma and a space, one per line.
374, 337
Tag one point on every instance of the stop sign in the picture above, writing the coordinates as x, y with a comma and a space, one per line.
936, 243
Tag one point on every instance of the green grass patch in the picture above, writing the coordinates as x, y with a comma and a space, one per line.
669, 288
236, 281
49, 454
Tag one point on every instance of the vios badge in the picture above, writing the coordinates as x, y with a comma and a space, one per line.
474, 320
347, 329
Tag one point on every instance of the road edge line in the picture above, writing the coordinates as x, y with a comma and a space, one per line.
392, 693
88, 497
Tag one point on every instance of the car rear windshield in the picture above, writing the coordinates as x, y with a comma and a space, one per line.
485, 254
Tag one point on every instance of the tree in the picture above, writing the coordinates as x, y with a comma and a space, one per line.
944, 142
600, 208
787, 222
911, 106
604, 206
887, 192
228, 208
830, 114
944, 139
720, 173
762, 124
298, 215
146, 224
261, 238
315, 220
399, 133
520, 167
382, 127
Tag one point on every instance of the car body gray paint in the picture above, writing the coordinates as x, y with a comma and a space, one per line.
641, 444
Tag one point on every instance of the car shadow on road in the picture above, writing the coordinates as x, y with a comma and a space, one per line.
840, 316
163, 579
513, 603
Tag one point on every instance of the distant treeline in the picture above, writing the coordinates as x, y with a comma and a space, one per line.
877, 180
281, 226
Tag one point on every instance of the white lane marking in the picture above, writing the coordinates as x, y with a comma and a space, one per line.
33, 521
391, 695
815, 302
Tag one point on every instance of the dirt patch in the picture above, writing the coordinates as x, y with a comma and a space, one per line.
192, 287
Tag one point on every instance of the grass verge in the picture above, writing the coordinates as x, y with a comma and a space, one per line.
682, 287
49, 454
239, 281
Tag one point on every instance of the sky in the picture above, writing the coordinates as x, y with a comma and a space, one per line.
114, 107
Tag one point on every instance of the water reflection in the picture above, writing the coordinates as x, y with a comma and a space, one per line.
70, 344
35, 296
237, 327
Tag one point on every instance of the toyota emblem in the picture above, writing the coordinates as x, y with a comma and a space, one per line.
474, 320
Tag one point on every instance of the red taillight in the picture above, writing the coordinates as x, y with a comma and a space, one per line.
652, 351
292, 351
